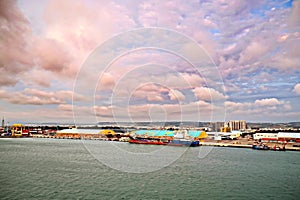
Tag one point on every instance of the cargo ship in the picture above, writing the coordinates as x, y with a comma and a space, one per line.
175, 142
150, 141
182, 142
180, 138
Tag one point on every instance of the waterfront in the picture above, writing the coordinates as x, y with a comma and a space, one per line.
64, 169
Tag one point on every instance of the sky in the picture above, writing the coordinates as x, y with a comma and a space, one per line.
86, 61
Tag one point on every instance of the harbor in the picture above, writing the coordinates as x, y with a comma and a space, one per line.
168, 136
149, 100
63, 169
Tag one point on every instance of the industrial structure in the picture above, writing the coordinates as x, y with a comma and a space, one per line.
75, 133
237, 125
277, 137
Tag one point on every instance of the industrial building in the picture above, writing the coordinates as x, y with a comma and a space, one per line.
237, 125
275, 137
289, 136
170, 133
85, 133
265, 136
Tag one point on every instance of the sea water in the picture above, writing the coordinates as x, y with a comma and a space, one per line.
66, 169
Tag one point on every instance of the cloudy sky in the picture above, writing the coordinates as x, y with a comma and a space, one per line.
130, 60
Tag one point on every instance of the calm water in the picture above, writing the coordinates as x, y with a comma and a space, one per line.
65, 169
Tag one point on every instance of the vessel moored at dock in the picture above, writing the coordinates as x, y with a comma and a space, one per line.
260, 147
171, 138
265, 147
150, 141
153, 141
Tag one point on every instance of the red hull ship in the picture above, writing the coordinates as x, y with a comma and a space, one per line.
165, 142
152, 142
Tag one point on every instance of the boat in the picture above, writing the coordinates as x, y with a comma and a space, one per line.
147, 141
260, 147
183, 142
277, 148
265, 147
154, 141
180, 138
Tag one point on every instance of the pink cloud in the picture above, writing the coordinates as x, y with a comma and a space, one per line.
294, 18
176, 95
107, 81
236, 106
38, 76
52, 55
208, 94
39, 115
290, 58
179, 112
15, 46
268, 102
253, 52
151, 92
21, 98
259, 109
193, 80
297, 88
65, 107
38, 97
154, 97
46, 50
153, 88
179, 16
105, 112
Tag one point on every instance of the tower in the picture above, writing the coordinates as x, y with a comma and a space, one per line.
237, 125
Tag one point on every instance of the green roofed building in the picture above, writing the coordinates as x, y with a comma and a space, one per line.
169, 133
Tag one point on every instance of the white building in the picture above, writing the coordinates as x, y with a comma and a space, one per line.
225, 135
259, 136
289, 136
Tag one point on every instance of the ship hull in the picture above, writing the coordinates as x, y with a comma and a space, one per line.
183, 143
258, 147
136, 141
169, 143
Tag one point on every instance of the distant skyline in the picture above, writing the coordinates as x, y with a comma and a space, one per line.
245, 66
